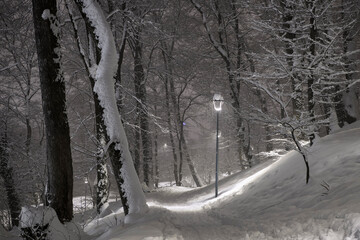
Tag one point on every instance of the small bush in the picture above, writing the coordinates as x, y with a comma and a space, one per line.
36, 232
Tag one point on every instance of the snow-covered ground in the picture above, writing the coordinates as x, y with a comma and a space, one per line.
269, 201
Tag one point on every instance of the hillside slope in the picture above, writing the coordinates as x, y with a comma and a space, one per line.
270, 201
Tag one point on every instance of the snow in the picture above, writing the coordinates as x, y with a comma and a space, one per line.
269, 201
31, 216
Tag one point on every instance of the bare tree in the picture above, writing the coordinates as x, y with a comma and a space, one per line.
59, 160
131, 194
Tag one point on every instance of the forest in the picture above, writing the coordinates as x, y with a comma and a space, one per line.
105, 101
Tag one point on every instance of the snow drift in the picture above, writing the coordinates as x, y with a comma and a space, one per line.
270, 201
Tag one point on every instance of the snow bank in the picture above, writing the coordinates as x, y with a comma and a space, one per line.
31, 216
269, 201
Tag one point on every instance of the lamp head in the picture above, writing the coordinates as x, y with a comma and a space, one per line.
218, 100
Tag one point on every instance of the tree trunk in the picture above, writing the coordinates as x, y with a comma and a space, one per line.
140, 92
190, 163
59, 161
346, 102
156, 176
310, 81
172, 141
137, 155
342, 114
117, 164
6, 172
168, 67
183, 150
120, 48
102, 177
288, 38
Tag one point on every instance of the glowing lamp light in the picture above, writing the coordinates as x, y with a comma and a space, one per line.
218, 100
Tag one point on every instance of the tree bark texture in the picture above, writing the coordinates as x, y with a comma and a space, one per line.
59, 160
117, 164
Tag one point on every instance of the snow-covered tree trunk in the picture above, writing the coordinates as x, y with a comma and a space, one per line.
102, 193
133, 198
121, 43
59, 160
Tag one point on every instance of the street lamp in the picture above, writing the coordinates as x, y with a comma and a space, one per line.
86, 182
218, 100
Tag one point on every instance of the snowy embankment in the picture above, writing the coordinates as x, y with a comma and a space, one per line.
270, 201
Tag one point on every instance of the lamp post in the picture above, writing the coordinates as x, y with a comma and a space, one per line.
86, 182
218, 101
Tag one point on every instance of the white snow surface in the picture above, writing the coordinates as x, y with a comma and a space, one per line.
269, 201
104, 87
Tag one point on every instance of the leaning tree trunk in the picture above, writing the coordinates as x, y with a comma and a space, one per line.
102, 193
131, 194
59, 161
6, 172
190, 163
